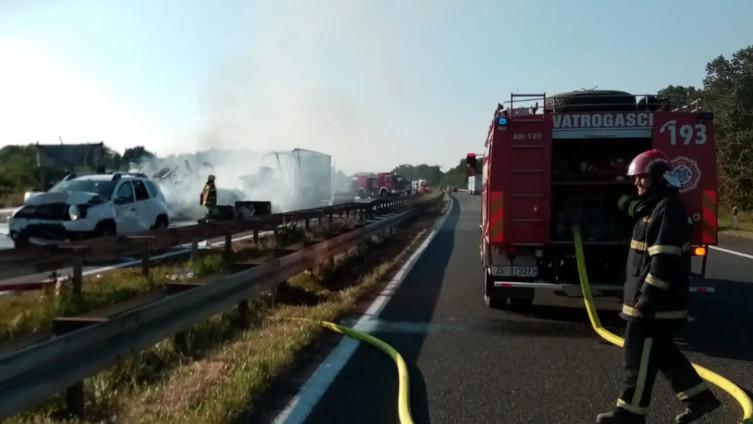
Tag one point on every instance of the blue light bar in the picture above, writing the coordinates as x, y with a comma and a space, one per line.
501, 121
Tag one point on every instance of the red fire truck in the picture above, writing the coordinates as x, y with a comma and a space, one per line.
554, 162
363, 184
386, 184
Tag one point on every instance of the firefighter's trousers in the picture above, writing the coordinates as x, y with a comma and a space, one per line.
212, 213
648, 350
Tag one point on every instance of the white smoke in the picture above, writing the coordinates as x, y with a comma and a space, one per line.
289, 180
331, 76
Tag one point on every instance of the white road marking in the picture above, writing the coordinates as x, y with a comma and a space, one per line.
301, 405
732, 252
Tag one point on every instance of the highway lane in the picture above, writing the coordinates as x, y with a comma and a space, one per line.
469, 363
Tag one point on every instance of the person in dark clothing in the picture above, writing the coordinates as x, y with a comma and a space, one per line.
208, 199
655, 300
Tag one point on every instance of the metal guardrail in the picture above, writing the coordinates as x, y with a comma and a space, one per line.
40, 259
36, 372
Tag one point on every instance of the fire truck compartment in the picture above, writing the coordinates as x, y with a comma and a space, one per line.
588, 177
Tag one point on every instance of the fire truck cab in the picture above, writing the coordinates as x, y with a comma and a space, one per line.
554, 162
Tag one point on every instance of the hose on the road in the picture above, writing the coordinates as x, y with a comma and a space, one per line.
733, 390
403, 396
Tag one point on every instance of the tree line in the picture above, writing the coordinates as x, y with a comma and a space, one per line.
19, 171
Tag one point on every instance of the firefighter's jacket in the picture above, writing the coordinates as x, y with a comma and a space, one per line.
209, 195
658, 265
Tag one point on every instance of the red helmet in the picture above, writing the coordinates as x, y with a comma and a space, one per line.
655, 163
645, 162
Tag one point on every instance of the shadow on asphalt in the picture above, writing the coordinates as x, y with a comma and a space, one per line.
722, 322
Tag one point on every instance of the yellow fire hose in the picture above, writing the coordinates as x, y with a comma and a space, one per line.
403, 395
740, 396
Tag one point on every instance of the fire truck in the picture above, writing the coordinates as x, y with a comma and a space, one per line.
420, 186
554, 162
382, 184
364, 184
386, 184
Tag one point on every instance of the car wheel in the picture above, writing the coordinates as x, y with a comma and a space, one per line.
20, 243
492, 298
160, 224
495, 302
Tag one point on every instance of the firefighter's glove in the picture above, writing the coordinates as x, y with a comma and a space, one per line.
645, 307
623, 201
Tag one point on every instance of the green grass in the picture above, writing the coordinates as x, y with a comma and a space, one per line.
25, 313
745, 228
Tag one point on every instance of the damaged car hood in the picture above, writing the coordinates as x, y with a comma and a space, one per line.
67, 197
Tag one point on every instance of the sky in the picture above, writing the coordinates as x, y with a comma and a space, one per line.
373, 83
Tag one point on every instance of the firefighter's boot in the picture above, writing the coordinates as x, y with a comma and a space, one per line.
706, 403
620, 416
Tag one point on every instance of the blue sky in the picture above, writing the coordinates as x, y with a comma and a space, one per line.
374, 83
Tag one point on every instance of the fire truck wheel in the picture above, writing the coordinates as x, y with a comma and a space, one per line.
491, 296
521, 302
495, 302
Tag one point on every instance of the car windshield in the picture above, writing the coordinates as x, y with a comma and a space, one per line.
103, 188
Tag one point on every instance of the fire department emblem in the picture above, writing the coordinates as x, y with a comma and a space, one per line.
687, 171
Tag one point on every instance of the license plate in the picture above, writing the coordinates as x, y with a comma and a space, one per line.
530, 271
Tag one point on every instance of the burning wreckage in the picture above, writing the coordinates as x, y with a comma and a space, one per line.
283, 181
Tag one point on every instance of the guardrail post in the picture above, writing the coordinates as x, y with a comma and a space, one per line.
228, 243
194, 250
243, 312
145, 261
78, 275
330, 218
256, 236
307, 223
180, 341
74, 399
74, 394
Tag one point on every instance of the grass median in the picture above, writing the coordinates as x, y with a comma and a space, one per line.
226, 365
743, 229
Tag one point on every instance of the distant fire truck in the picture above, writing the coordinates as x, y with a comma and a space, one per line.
386, 183
548, 168
363, 184
420, 186
382, 184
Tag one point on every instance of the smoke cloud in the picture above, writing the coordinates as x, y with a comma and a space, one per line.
333, 76
291, 180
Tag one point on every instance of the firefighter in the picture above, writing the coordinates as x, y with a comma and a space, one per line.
656, 296
208, 199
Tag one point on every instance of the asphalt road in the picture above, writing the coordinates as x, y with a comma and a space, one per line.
472, 364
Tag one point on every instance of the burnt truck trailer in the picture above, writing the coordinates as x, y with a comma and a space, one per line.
302, 179
546, 169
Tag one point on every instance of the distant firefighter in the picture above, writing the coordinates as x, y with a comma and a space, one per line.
208, 199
